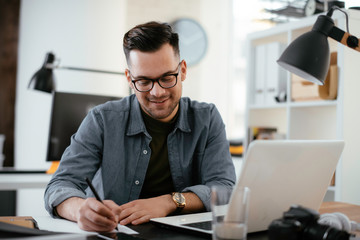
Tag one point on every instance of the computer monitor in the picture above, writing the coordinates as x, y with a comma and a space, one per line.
68, 111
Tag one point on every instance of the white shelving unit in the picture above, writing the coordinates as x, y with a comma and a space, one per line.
322, 119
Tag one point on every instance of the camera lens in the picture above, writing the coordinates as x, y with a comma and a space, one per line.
301, 223
285, 230
318, 231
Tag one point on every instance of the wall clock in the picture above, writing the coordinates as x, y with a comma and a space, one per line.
310, 7
193, 41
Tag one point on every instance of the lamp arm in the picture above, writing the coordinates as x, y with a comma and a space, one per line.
92, 70
339, 35
52, 66
345, 38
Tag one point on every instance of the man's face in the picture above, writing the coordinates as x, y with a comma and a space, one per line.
159, 103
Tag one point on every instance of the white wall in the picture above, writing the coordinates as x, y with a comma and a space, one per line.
208, 80
88, 33
83, 33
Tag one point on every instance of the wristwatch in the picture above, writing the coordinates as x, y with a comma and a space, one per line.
179, 200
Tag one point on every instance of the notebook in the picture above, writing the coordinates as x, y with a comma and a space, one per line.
279, 173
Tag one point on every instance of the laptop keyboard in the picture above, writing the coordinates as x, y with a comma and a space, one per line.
202, 225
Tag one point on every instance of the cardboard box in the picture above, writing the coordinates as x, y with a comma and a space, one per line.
303, 90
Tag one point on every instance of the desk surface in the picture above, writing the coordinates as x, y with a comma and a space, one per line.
11, 179
150, 231
12, 170
350, 210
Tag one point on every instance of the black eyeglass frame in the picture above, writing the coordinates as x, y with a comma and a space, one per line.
157, 80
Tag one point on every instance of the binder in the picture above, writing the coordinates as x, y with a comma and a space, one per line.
260, 66
270, 78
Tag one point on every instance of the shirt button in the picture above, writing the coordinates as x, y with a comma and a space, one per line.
144, 151
137, 182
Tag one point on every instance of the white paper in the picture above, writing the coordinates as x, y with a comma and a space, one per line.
125, 229
61, 225
58, 225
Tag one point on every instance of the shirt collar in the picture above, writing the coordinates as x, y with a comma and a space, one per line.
136, 122
183, 119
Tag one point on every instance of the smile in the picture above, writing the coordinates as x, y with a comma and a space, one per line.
158, 101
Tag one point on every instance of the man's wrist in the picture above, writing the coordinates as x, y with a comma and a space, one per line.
179, 201
55, 212
69, 208
168, 204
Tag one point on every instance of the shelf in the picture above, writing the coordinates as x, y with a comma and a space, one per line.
314, 103
15, 181
296, 104
313, 119
270, 106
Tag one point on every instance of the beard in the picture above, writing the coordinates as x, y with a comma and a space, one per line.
161, 112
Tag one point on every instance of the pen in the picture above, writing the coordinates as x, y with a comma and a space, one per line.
96, 194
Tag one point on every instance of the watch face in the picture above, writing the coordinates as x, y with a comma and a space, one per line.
179, 199
192, 40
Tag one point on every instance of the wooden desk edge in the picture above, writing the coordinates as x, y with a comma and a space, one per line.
350, 210
25, 221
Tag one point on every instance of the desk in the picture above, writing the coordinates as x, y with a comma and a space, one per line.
350, 210
150, 231
29, 186
20, 179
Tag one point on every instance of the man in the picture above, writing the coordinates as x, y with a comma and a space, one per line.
158, 153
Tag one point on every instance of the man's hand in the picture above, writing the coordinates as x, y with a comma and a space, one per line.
142, 210
90, 214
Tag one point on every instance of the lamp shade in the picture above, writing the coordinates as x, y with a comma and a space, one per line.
43, 79
308, 57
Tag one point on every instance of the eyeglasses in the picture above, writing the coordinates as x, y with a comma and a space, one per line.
144, 84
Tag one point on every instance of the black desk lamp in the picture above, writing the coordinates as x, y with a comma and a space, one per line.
308, 56
43, 79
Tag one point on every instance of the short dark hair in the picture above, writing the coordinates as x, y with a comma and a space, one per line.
150, 37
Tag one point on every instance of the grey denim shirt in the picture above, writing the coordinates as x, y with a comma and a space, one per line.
112, 139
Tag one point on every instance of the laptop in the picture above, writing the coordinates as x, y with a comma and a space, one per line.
279, 173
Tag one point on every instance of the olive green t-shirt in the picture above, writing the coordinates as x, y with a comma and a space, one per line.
158, 179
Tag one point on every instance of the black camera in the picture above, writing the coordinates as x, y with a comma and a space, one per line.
301, 223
